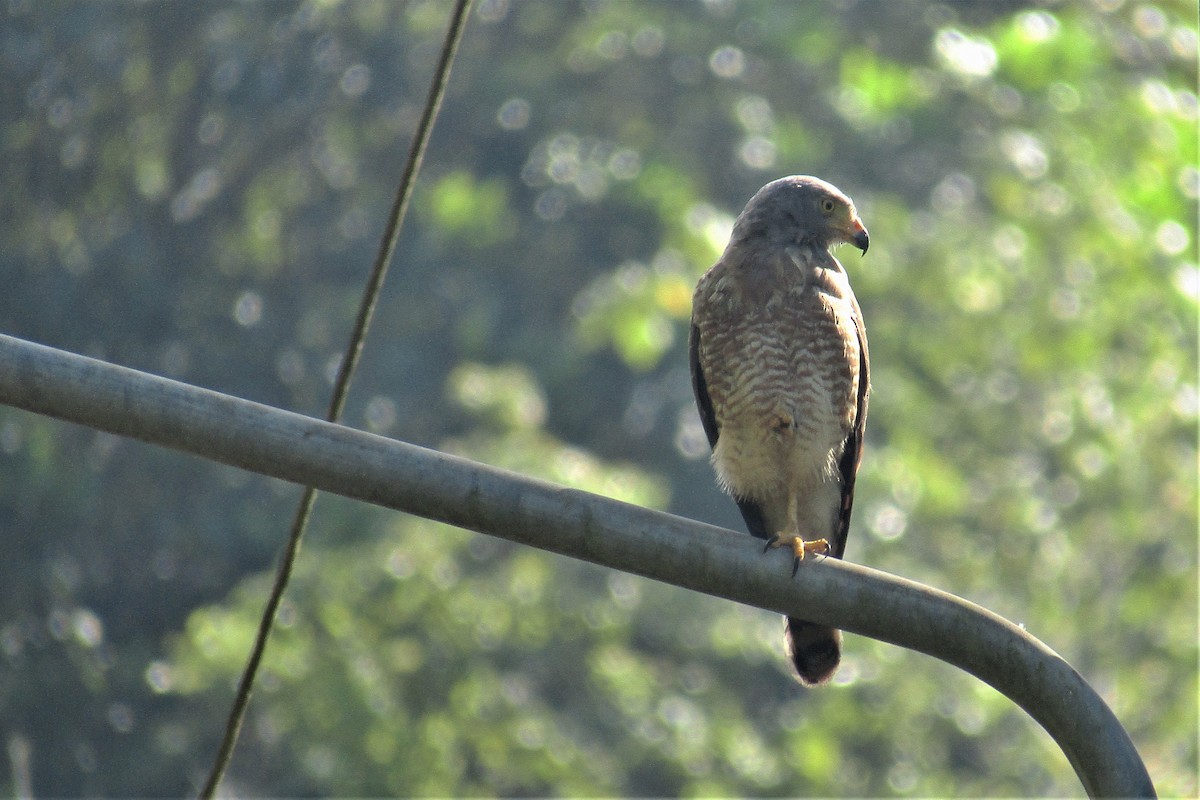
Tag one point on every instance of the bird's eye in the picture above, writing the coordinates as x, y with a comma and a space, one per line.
827, 205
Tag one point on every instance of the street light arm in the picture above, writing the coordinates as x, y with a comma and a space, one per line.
618, 535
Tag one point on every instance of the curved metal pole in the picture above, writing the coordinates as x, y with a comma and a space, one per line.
667, 548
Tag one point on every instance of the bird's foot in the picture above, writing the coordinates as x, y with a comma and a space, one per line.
800, 547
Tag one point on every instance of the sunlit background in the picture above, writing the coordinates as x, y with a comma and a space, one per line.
198, 190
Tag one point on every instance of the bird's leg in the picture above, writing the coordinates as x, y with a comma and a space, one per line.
800, 546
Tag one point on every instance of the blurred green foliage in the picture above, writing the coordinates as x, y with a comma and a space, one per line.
197, 191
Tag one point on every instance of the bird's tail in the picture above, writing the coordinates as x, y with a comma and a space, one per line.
813, 650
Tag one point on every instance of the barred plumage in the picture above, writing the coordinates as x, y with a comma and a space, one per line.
780, 370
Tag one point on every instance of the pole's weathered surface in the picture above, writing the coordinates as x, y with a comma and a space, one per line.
667, 548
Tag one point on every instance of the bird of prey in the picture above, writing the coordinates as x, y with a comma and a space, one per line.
780, 371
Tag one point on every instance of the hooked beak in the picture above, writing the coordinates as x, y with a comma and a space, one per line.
859, 237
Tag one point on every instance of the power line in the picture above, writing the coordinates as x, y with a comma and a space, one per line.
341, 389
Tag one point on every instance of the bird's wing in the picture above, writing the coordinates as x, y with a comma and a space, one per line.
700, 389
852, 453
751, 512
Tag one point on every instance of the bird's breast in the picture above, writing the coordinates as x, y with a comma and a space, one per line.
783, 380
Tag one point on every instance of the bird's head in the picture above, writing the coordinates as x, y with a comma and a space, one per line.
802, 209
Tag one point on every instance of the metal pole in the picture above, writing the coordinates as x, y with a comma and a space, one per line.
667, 548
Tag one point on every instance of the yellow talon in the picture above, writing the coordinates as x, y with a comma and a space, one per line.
800, 546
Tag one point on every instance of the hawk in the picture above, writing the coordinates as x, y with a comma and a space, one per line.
780, 371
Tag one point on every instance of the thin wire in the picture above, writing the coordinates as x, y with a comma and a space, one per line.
341, 388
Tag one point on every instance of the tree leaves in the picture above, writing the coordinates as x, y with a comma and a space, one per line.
1028, 176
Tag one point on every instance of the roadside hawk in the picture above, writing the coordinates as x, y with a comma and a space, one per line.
780, 371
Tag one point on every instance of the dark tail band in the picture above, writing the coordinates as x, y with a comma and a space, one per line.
814, 651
